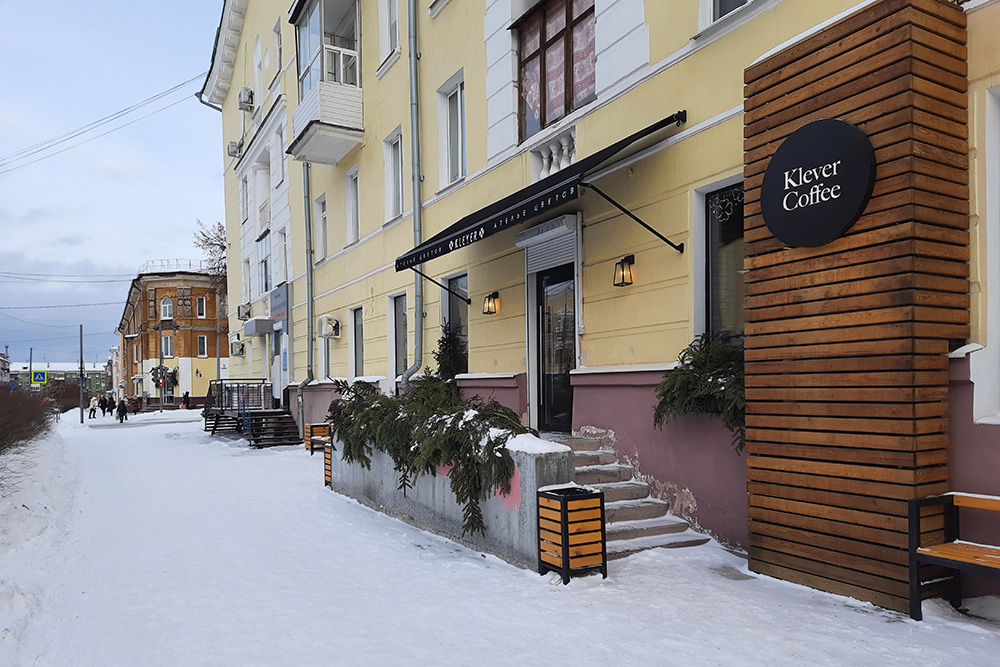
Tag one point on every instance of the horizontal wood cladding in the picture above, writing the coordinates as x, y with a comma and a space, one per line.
846, 373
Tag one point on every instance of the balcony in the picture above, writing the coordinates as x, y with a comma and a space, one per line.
329, 121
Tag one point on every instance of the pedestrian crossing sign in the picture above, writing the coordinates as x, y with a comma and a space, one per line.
39, 377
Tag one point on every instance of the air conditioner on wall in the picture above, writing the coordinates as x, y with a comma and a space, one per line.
243, 311
246, 99
236, 349
234, 148
329, 327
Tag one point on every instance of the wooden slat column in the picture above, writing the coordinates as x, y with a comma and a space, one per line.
846, 375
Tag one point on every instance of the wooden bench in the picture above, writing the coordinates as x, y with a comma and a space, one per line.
953, 553
317, 436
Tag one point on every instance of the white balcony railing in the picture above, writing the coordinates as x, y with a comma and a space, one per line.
329, 120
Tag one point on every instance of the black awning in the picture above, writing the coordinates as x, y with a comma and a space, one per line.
525, 204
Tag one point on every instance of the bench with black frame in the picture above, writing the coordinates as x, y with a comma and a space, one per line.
953, 553
317, 436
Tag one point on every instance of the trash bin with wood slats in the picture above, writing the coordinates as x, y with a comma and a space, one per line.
571, 535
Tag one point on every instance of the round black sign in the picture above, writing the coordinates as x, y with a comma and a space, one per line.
818, 183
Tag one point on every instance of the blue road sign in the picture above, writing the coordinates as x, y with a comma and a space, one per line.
39, 377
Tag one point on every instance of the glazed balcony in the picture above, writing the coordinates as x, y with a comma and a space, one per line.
329, 121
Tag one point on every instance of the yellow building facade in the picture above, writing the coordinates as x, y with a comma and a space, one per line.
394, 167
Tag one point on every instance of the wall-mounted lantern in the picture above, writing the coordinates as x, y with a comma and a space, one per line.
623, 271
490, 303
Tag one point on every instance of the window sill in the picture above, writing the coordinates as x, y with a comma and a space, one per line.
735, 18
389, 61
454, 185
437, 7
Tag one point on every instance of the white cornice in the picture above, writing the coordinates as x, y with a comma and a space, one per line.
227, 41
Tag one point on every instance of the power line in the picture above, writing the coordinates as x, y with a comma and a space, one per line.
67, 275
69, 305
37, 324
77, 281
86, 141
18, 155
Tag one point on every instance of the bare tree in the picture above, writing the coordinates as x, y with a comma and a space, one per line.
211, 240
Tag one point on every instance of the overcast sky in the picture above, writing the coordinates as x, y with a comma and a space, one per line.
98, 211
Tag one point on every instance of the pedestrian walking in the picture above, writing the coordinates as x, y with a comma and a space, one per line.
103, 405
93, 407
185, 401
122, 411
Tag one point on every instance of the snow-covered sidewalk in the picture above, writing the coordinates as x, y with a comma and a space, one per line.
156, 544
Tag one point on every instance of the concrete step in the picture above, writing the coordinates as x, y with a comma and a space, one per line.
622, 548
630, 530
593, 457
574, 442
634, 510
630, 490
600, 474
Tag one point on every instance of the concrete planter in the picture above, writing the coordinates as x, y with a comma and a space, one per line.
511, 520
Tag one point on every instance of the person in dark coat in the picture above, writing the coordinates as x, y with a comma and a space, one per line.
103, 405
185, 401
122, 411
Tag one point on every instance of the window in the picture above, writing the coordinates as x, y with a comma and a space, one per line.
319, 230
276, 40
358, 341
456, 133
264, 263
246, 279
352, 199
244, 200
167, 309
202, 346
167, 345
399, 333
557, 62
724, 263
279, 156
394, 176
200, 307
723, 7
309, 48
458, 318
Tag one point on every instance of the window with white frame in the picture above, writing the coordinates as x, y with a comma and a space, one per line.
166, 308
309, 47
167, 344
264, 263
247, 281
244, 199
352, 200
456, 132
200, 307
388, 28
279, 258
202, 346
358, 341
276, 43
399, 334
279, 156
722, 7
319, 229
724, 259
394, 175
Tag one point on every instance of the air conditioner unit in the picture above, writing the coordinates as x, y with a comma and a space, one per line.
329, 327
236, 349
243, 311
246, 99
235, 148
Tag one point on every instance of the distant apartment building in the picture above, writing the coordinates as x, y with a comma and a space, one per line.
171, 319
24, 374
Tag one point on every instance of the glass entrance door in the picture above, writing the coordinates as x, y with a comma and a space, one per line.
556, 347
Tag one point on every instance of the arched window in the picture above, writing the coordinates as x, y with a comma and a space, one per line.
167, 309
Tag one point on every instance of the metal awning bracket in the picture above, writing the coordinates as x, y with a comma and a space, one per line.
679, 247
447, 289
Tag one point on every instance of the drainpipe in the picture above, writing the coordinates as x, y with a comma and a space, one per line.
418, 283
309, 299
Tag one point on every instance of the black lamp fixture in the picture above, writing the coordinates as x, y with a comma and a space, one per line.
623, 271
490, 303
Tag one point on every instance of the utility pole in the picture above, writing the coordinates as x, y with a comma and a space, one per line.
81, 373
159, 386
